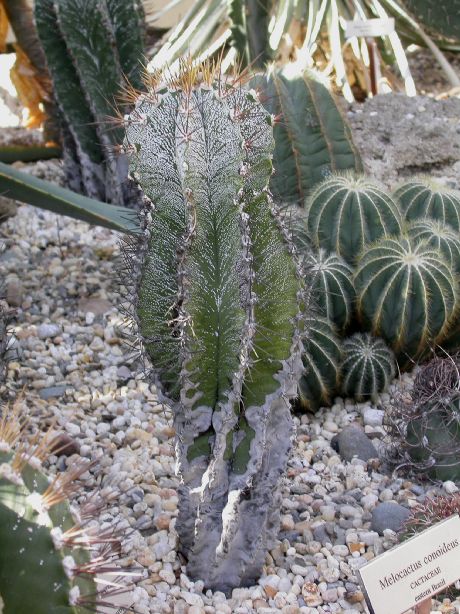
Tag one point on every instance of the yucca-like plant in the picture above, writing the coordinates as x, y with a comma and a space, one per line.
331, 286
321, 360
216, 297
347, 212
438, 235
425, 198
368, 366
406, 293
49, 557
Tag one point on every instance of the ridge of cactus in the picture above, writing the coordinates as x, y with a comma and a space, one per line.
438, 235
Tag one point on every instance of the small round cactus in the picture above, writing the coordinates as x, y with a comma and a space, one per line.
321, 360
368, 366
406, 293
438, 235
332, 286
424, 198
346, 212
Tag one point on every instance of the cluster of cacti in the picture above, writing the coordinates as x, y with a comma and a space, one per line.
219, 309
93, 49
440, 17
312, 139
49, 557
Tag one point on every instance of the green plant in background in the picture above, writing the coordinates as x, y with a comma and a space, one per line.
92, 50
440, 17
321, 361
406, 293
48, 561
216, 297
438, 235
312, 139
368, 366
344, 213
423, 198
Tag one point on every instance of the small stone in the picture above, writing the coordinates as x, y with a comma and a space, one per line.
162, 522
388, 515
14, 292
450, 487
372, 416
352, 441
48, 331
52, 392
270, 591
95, 305
311, 595
167, 575
192, 598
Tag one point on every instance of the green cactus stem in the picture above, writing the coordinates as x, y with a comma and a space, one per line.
368, 367
425, 198
216, 302
346, 212
406, 293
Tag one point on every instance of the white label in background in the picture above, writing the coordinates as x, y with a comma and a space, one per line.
413, 571
369, 27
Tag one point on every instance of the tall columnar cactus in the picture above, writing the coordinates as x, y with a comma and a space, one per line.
92, 49
425, 198
321, 360
441, 17
406, 293
438, 235
312, 139
368, 366
217, 306
346, 212
332, 286
47, 555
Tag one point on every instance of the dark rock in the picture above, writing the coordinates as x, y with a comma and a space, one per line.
352, 441
52, 391
320, 534
388, 515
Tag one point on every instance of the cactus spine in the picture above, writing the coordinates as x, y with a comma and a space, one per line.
424, 198
406, 293
346, 212
440, 236
368, 366
217, 306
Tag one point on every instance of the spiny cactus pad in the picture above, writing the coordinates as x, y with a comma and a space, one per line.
438, 235
346, 212
425, 198
406, 293
368, 366
321, 360
217, 305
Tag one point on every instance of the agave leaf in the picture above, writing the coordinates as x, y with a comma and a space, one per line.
28, 189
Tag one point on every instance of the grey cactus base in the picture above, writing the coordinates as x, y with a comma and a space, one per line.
216, 301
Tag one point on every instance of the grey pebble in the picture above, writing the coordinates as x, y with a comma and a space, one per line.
352, 441
388, 515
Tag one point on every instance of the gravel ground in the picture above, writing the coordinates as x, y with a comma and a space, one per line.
76, 370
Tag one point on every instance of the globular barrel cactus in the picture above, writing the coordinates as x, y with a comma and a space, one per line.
92, 49
441, 17
312, 139
331, 286
406, 293
48, 556
438, 235
346, 212
216, 301
321, 360
368, 366
425, 198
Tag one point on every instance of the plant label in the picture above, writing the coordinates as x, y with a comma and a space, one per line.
369, 27
411, 572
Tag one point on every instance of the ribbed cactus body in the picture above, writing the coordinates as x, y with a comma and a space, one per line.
345, 213
442, 16
440, 236
331, 286
216, 303
368, 366
321, 360
424, 198
406, 293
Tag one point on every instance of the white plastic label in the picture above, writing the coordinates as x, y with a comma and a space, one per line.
369, 27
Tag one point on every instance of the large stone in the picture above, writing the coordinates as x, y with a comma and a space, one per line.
352, 441
388, 515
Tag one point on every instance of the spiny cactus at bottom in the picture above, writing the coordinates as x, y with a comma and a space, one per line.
321, 360
347, 212
424, 197
438, 235
218, 305
406, 293
368, 366
47, 553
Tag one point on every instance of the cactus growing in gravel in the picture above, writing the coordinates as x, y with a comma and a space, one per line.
406, 293
216, 298
438, 235
92, 49
332, 286
346, 212
424, 198
312, 139
321, 360
368, 366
